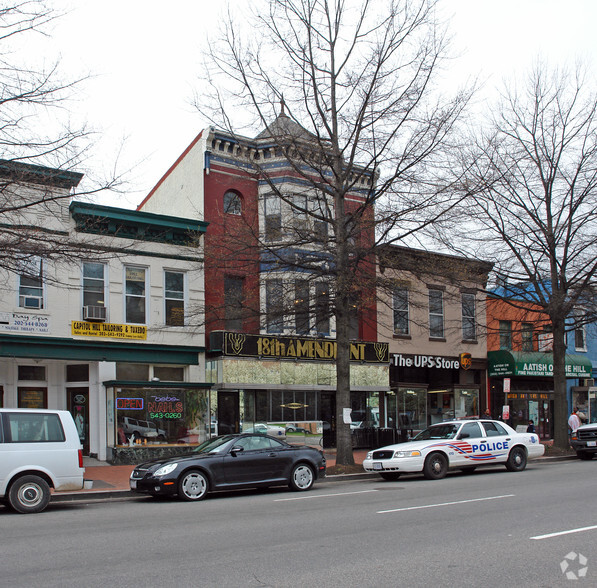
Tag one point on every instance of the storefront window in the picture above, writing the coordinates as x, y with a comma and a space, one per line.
286, 414
132, 371
466, 403
168, 373
161, 416
365, 410
410, 412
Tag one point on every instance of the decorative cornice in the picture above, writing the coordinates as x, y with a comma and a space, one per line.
133, 224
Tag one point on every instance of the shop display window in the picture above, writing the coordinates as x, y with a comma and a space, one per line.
408, 407
151, 416
466, 403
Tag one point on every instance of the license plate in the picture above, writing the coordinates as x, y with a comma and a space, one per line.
133, 484
591, 443
378, 466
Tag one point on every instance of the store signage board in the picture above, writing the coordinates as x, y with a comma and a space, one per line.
439, 362
109, 330
17, 322
297, 348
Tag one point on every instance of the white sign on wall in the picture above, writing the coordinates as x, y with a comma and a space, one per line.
16, 322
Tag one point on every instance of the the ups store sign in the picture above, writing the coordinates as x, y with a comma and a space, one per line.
303, 348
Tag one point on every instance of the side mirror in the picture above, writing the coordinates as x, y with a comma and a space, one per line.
236, 449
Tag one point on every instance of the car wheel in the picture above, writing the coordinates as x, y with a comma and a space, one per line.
436, 466
193, 485
29, 494
585, 455
517, 460
302, 477
290, 430
468, 469
390, 476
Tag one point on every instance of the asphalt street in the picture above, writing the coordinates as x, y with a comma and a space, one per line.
490, 528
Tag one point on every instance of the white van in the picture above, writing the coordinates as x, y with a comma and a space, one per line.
39, 449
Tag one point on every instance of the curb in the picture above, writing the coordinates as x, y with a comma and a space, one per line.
105, 495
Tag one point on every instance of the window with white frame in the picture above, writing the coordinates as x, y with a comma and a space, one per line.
174, 298
469, 316
232, 203
321, 218
135, 294
274, 306
233, 302
300, 218
273, 217
322, 308
301, 307
436, 313
31, 284
527, 336
505, 335
401, 311
94, 284
580, 341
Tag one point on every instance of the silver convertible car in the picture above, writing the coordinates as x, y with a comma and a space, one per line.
463, 445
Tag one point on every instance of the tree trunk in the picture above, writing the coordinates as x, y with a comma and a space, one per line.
344, 455
560, 415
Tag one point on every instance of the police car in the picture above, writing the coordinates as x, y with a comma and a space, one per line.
463, 445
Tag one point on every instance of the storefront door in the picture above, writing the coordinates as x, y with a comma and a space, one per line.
328, 416
78, 405
228, 413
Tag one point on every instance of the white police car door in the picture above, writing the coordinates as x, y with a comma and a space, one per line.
467, 443
498, 440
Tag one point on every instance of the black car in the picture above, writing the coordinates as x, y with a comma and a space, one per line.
229, 462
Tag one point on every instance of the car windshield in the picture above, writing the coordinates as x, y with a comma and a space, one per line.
214, 445
445, 431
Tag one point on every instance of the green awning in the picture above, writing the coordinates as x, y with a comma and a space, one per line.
26, 346
521, 363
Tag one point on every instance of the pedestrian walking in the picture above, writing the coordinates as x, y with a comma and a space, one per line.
574, 421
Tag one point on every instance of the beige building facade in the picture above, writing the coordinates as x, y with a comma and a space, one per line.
432, 314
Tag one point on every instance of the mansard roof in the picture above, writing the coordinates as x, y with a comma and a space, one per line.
285, 128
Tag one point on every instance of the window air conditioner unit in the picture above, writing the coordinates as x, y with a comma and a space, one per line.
30, 301
94, 313
588, 382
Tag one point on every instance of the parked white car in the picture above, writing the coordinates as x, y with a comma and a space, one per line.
464, 445
137, 429
267, 429
39, 449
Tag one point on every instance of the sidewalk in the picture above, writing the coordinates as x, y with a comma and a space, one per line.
113, 481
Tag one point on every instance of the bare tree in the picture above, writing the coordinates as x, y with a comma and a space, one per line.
358, 131
38, 147
534, 211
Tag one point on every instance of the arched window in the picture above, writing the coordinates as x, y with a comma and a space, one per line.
232, 204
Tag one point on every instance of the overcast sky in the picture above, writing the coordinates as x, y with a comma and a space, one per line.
144, 55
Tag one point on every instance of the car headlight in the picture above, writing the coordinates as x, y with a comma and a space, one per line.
370, 455
414, 453
165, 470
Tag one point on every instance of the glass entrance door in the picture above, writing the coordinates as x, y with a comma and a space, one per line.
78, 405
228, 413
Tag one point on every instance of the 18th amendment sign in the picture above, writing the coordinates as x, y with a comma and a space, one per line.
303, 348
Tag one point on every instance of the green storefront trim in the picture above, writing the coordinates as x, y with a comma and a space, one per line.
83, 350
152, 384
535, 364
